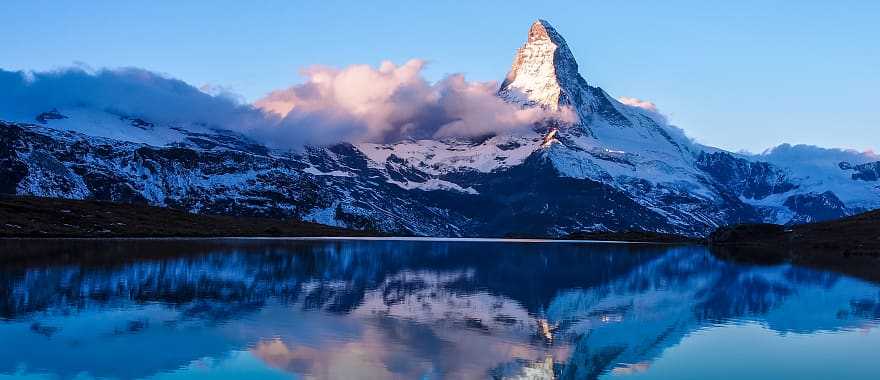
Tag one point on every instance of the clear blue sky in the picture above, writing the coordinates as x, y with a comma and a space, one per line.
734, 74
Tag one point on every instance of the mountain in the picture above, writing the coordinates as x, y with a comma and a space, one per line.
602, 165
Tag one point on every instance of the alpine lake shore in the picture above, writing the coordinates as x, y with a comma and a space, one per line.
850, 245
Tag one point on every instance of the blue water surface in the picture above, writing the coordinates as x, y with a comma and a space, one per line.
412, 309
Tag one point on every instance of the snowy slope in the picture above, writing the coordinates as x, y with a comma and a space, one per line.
818, 170
104, 124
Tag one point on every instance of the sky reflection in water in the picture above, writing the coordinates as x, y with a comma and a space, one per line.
231, 309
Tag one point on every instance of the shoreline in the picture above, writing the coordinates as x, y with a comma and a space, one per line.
354, 238
850, 245
53, 218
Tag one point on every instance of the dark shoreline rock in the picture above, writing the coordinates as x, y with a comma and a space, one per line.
633, 236
622, 236
849, 245
29, 217
746, 233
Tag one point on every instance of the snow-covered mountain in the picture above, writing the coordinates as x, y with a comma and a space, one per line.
602, 164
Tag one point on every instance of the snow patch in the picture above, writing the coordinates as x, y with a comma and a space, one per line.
435, 184
335, 173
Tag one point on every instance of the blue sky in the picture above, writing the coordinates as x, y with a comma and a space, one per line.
738, 75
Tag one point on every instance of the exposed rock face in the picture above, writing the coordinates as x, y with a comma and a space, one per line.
809, 208
51, 115
749, 179
864, 172
542, 70
544, 73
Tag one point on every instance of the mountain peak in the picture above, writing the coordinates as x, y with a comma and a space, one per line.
544, 72
541, 29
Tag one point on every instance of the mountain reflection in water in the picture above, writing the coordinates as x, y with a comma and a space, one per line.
392, 309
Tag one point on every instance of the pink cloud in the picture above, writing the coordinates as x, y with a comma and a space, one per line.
636, 102
391, 102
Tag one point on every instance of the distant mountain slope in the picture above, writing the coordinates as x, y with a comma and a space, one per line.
612, 167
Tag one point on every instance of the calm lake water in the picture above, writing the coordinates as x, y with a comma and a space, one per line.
348, 309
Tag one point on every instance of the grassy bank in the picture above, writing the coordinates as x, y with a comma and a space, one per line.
50, 217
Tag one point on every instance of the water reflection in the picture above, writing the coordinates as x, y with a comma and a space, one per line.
379, 309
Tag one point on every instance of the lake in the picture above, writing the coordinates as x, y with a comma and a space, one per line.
413, 309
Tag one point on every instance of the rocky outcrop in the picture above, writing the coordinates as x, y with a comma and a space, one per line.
864, 172
813, 207
750, 179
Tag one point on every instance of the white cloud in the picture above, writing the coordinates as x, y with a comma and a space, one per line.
649, 108
803, 154
636, 102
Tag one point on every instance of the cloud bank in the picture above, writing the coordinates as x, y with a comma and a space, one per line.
126, 92
804, 155
354, 104
391, 102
